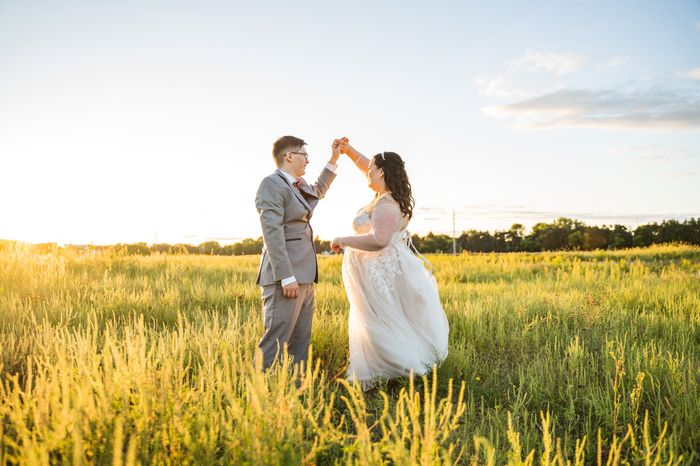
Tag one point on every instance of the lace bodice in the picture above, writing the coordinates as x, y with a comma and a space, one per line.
376, 224
362, 222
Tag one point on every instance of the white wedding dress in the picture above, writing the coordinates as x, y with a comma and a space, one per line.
396, 323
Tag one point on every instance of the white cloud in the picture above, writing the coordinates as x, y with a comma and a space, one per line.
557, 64
616, 61
684, 173
692, 74
497, 87
663, 153
541, 96
550, 64
614, 108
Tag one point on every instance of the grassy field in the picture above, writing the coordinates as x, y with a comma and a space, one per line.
554, 357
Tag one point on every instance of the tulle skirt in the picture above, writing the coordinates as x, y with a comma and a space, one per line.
397, 324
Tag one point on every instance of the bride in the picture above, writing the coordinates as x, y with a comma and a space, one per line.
397, 324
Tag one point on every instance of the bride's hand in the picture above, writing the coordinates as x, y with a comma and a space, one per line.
344, 145
337, 245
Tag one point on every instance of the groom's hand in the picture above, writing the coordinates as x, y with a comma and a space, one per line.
335, 151
291, 290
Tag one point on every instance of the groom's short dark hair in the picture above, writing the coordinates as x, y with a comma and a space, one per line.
284, 145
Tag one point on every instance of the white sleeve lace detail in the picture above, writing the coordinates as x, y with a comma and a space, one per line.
386, 220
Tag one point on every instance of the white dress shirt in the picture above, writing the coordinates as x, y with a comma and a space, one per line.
332, 167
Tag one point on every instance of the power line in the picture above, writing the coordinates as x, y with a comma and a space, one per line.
454, 235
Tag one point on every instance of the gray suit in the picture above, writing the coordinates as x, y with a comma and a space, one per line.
285, 212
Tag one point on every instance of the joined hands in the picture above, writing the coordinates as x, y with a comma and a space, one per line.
341, 146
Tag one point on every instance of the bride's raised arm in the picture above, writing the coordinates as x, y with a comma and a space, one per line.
360, 160
386, 220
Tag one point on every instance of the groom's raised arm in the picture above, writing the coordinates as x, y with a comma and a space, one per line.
324, 180
269, 201
328, 174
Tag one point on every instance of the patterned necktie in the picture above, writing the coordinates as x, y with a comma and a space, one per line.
297, 184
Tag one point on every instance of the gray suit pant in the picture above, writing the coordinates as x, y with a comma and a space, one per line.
287, 321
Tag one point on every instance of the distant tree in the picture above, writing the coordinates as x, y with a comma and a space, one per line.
227, 250
669, 230
322, 246
477, 241
514, 237
594, 238
162, 248
575, 240
499, 243
645, 235
417, 242
210, 248
555, 236
691, 231
182, 248
251, 246
137, 249
550, 237
531, 243
619, 237
436, 243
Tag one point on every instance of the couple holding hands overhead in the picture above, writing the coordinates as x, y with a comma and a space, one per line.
396, 322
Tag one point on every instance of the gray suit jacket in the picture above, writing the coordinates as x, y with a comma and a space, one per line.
288, 238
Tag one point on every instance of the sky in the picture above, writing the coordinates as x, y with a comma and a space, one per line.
127, 121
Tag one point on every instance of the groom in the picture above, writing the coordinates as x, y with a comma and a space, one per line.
288, 267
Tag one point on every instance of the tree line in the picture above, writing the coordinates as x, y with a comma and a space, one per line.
562, 234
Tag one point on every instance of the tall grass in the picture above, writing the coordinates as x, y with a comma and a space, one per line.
555, 358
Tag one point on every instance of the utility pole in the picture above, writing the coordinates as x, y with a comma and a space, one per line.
454, 235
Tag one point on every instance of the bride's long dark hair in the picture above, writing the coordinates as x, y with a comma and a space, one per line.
396, 180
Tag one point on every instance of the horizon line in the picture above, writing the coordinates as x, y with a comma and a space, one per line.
681, 218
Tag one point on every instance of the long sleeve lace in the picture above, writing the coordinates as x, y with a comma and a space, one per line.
386, 220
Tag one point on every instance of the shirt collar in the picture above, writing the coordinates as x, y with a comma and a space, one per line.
291, 179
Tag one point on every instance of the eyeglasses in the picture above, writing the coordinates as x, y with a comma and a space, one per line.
301, 153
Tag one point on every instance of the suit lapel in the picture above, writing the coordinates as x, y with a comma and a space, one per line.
296, 192
310, 192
